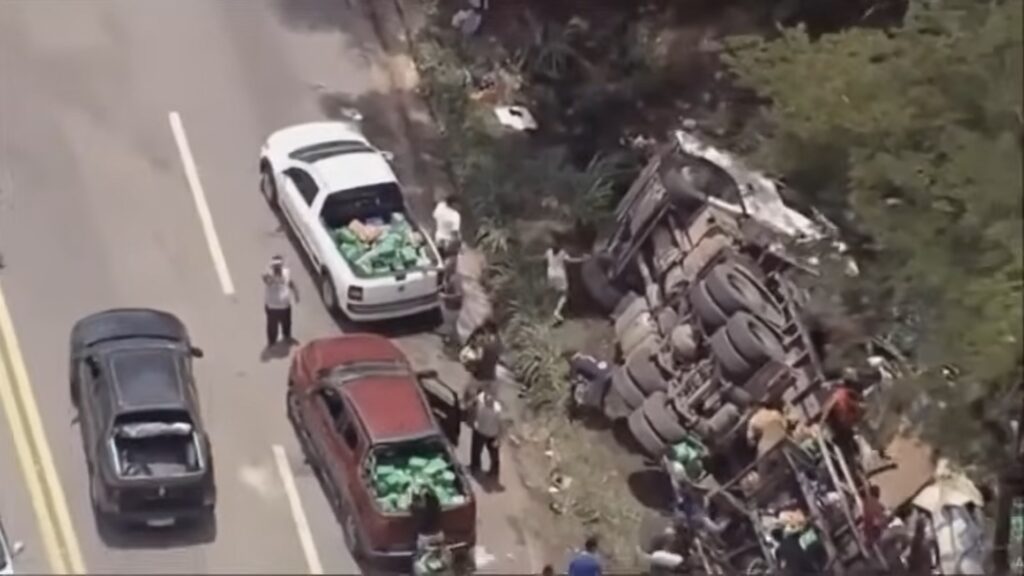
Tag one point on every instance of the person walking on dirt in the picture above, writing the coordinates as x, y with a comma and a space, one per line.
279, 293
489, 425
448, 227
558, 278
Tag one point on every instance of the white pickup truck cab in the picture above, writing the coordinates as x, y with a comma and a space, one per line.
322, 176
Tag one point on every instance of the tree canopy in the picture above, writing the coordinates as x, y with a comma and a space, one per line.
911, 139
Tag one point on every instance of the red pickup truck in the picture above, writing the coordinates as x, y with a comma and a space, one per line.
358, 407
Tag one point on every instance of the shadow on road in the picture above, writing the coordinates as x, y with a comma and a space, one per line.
390, 125
347, 17
180, 535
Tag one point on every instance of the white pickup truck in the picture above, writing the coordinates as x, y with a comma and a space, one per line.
332, 186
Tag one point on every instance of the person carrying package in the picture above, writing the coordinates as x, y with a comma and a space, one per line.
451, 298
800, 551
482, 352
767, 427
842, 414
669, 551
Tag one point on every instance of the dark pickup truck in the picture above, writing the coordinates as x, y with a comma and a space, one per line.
148, 455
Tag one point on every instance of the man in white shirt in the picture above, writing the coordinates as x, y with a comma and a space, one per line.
447, 226
279, 292
488, 423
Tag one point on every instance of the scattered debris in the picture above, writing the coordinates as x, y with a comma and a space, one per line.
517, 118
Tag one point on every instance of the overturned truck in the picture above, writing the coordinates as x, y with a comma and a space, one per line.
699, 279
706, 317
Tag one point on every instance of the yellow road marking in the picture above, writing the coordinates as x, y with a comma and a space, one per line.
34, 454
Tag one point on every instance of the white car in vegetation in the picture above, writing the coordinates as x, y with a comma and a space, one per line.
342, 200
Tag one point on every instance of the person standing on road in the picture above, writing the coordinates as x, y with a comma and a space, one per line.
586, 562
489, 427
451, 300
279, 293
448, 227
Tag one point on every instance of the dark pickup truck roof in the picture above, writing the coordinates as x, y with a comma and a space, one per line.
122, 323
146, 378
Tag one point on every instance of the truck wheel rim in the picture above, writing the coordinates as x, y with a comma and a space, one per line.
327, 293
265, 185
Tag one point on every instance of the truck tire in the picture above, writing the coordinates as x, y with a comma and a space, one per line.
639, 331
328, 293
352, 540
666, 318
632, 396
754, 340
629, 315
267, 185
663, 418
644, 434
735, 289
733, 365
645, 374
738, 396
624, 304
598, 286
674, 282
710, 314
719, 424
615, 407
75, 402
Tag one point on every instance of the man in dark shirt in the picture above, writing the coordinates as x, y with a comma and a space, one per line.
797, 559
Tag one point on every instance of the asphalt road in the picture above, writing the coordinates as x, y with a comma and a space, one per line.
96, 212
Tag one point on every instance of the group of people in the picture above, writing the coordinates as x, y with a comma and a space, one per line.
485, 413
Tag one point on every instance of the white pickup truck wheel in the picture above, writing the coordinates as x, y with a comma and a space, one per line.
267, 185
328, 293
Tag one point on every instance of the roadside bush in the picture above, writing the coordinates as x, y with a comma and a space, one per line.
504, 182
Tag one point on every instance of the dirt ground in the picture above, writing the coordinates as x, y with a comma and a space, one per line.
584, 477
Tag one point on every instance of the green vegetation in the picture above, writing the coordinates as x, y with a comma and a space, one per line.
911, 139
510, 184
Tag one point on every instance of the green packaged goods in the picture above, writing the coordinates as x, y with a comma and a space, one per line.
350, 252
436, 465
345, 236
384, 470
409, 255
362, 268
